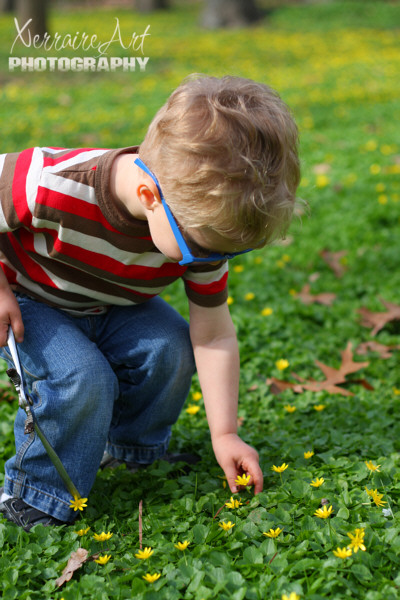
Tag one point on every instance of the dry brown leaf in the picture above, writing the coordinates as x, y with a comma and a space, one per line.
322, 168
333, 377
308, 298
381, 349
378, 320
75, 561
333, 260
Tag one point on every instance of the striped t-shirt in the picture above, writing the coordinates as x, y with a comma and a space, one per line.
66, 242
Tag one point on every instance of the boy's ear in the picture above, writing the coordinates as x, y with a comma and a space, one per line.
148, 197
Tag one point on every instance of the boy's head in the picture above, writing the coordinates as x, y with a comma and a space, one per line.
225, 153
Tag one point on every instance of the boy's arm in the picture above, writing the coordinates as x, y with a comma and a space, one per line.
216, 353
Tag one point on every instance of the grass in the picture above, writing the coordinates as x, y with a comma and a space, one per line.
337, 66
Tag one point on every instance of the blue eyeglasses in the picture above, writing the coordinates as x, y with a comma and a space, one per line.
187, 256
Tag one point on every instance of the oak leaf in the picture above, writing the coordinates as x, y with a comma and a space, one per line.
333, 377
333, 260
381, 349
75, 561
308, 298
378, 320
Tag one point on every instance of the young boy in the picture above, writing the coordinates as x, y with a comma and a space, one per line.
89, 239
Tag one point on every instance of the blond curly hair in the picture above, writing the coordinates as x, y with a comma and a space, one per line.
225, 153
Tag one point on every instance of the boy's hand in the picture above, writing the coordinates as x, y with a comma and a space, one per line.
236, 457
10, 314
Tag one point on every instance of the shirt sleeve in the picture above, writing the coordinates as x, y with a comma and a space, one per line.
18, 188
207, 284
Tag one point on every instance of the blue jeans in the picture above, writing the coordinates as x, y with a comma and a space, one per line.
115, 381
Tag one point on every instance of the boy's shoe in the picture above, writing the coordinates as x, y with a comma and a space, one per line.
109, 462
19, 512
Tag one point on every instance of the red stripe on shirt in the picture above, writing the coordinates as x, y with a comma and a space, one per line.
50, 161
9, 273
102, 262
19, 187
209, 288
33, 270
72, 205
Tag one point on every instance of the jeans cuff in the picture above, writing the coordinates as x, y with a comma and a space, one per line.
143, 455
40, 499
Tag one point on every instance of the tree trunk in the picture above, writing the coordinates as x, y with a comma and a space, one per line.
35, 10
7, 5
146, 6
229, 13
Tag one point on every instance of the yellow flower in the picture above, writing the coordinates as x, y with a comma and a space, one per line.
238, 268
233, 503
226, 526
242, 479
196, 396
143, 554
324, 513
229, 300
370, 492
281, 264
396, 391
273, 533
319, 407
371, 466
290, 408
371, 145
292, 596
103, 560
382, 199
151, 578
377, 498
267, 311
78, 503
374, 169
280, 469
317, 482
82, 531
258, 260
103, 536
343, 552
322, 181
380, 187
182, 545
286, 258
293, 292
249, 296
192, 409
308, 454
357, 540
282, 364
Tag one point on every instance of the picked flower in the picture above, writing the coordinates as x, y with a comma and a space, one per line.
226, 526
290, 408
273, 533
280, 469
317, 482
357, 540
192, 409
103, 560
103, 536
182, 545
308, 454
282, 364
82, 531
143, 554
343, 552
242, 479
292, 596
324, 513
371, 466
319, 407
151, 578
78, 503
233, 503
